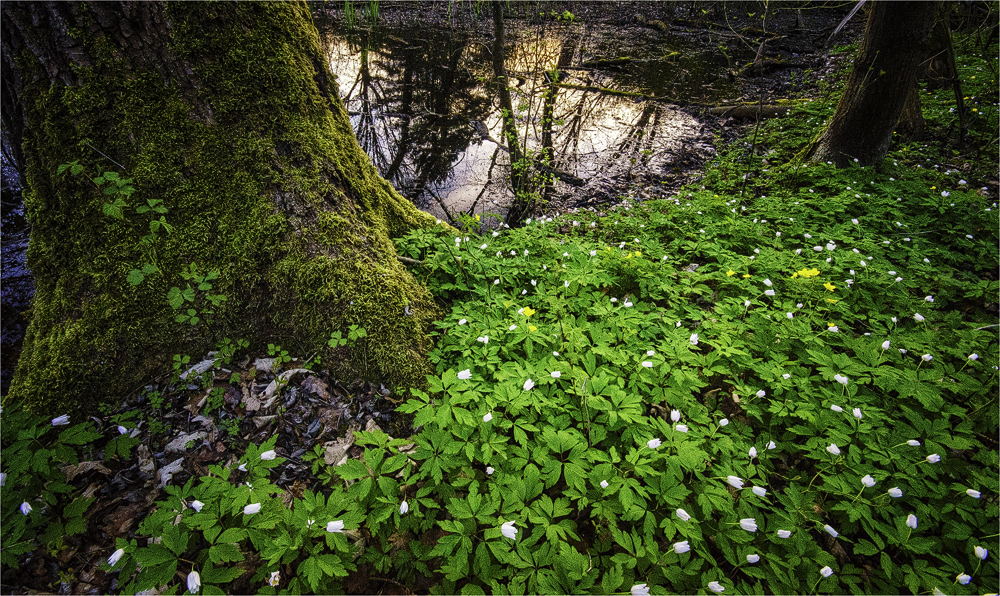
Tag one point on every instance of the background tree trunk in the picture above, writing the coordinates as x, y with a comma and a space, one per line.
884, 71
521, 204
225, 112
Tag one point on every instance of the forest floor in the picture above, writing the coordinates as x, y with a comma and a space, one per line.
184, 428
181, 427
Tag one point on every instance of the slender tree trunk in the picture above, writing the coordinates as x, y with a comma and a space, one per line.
518, 166
885, 70
405, 108
226, 114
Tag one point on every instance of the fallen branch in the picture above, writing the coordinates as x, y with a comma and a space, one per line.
563, 176
601, 63
741, 112
607, 91
749, 31
622, 61
770, 65
749, 112
408, 260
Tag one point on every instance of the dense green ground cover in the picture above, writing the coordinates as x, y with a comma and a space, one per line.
783, 380
837, 324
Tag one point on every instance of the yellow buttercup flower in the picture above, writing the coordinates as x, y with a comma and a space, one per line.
746, 275
532, 328
477, 217
730, 273
829, 286
807, 272
528, 311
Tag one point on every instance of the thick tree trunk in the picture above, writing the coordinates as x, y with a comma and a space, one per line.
884, 71
910, 126
226, 113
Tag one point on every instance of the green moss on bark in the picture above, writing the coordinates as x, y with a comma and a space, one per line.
263, 179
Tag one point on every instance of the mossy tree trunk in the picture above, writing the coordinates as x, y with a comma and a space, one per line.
885, 70
227, 113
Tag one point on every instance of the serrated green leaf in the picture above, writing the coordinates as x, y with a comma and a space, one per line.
75, 525
612, 579
224, 552
77, 506
233, 535
353, 469
153, 555
332, 565
309, 569
175, 297
219, 575
112, 211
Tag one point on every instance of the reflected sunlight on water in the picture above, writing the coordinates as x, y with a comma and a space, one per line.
422, 101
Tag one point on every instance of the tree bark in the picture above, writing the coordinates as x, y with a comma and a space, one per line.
226, 113
884, 71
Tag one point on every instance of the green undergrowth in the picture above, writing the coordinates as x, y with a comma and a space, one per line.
845, 327
672, 395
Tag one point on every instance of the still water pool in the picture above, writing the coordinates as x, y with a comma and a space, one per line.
600, 104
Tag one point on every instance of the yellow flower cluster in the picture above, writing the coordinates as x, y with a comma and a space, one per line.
806, 273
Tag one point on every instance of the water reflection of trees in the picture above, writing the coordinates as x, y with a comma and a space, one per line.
417, 95
411, 102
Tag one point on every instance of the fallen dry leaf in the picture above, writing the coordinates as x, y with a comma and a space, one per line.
180, 444
84, 467
121, 520
336, 451
167, 472
316, 385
